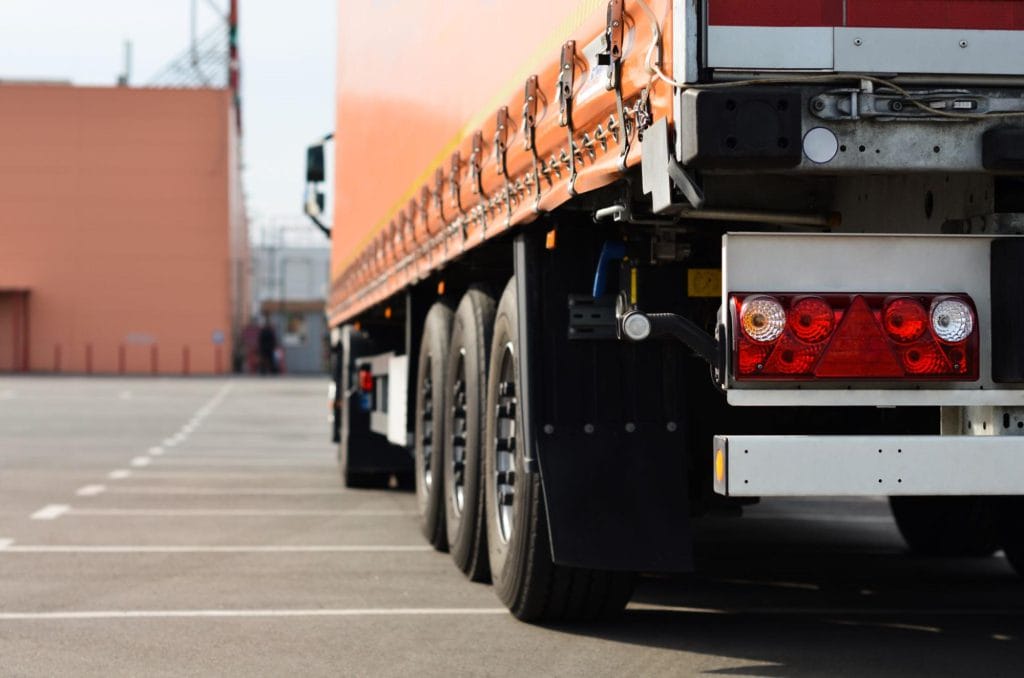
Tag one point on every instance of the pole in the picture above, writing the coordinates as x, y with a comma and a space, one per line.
234, 64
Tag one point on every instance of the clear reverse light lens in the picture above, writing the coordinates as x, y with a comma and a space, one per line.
763, 318
952, 320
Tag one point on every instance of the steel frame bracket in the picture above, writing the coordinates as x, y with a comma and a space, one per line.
660, 171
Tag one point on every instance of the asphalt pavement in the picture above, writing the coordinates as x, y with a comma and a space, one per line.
179, 527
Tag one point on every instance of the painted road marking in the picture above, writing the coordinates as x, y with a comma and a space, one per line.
156, 451
822, 518
162, 471
833, 611
119, 474
227, 512
230, 491
242, 461
91, 490
169, 442
51, 511
141, 461
179, 614
71, 615
8, 546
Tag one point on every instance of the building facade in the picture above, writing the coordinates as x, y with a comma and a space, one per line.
123, 236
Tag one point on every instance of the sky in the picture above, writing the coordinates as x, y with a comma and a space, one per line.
288, 63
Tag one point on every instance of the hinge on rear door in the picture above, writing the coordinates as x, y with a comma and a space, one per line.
566, 82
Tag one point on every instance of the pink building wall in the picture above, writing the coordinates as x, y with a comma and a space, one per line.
121, 214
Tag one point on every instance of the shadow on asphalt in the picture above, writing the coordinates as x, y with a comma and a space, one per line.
811, 599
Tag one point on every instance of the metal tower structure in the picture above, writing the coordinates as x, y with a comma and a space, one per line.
212, 58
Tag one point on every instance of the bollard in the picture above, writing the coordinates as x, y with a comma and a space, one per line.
121, 359
88, 358
184, 360
153, 359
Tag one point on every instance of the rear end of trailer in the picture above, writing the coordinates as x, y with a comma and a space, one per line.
602, 268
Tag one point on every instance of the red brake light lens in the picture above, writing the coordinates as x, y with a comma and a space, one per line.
811, 319
365, 380
857, 336
905, 319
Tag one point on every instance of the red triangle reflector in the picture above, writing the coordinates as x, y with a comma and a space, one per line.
859, 349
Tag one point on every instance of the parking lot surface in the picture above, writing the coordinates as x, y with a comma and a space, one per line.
156, 527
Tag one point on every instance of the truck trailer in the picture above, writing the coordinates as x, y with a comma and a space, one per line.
602, 267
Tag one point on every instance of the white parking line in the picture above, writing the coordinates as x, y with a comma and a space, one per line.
8, 546
50, 512
119, 474
141, 461
229, 491
91, 490
110, 513
156, 451
241, 474
243, 461
180, 614
835, 611
821, 518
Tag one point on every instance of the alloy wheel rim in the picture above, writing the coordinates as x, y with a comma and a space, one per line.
505, 445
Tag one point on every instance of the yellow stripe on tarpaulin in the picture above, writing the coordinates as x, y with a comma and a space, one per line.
544, 51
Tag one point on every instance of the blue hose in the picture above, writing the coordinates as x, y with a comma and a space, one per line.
612, 250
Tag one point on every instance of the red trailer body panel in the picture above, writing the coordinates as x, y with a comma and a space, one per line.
970, 14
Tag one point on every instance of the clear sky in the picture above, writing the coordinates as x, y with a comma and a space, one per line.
288, 55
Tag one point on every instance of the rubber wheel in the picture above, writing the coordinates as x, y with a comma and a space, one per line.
519, 552
946, 526
464, 424
431, 403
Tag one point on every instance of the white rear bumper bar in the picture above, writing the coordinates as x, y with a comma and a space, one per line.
786, 466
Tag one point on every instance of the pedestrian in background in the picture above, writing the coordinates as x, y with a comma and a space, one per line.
268, 348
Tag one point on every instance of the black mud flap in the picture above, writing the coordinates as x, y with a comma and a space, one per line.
603, 422
1007, 280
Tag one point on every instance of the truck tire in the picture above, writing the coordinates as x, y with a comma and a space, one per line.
525, 578
946, 526
464, 423
431, 404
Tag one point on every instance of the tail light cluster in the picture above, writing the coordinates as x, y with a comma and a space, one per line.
366, 389
855, 336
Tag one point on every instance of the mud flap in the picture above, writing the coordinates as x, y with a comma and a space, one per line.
604, 423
